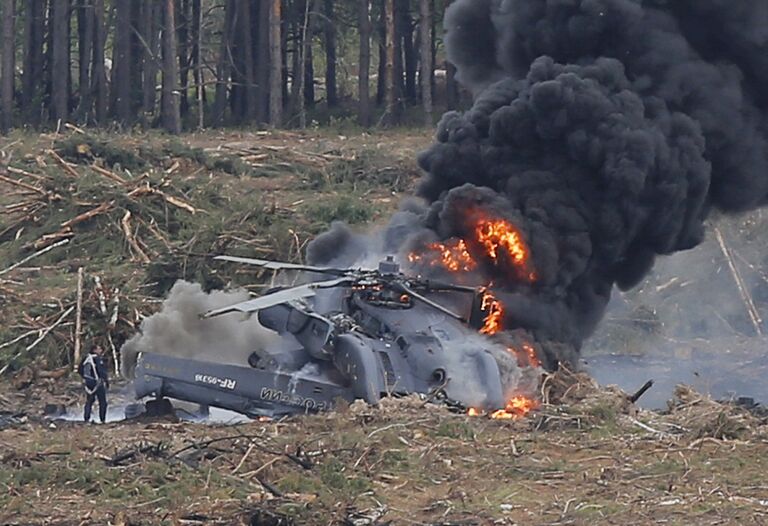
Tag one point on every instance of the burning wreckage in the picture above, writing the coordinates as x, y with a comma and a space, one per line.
364, 334
603, 134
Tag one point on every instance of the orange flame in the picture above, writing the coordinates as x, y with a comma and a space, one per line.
454, 256
517, 407
494, 236
497, 235
495, 310
530, 353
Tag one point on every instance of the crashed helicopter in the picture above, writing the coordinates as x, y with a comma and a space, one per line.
352, 334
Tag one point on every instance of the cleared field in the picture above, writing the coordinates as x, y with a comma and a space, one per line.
590, 457
141, 211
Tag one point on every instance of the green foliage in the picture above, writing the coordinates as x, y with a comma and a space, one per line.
85, 148
339, 208
366, 170
456, 429
333, 474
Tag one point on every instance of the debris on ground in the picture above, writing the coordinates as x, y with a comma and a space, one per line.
585, 458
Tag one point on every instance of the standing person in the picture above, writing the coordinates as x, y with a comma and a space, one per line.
96, 382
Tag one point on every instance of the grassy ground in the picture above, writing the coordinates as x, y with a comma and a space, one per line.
589, 458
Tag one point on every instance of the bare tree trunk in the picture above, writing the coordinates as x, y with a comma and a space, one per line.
309, 71
425, 24
99, 69
197, 61
433, 44
405, 23
398, 64
150, 26
34, 69
276, 61
223, 67
299, 71
364, 62
7, 65
390, 114
250, 78
28, 54
263, 67
60, 60
121, 63
85, 48
451, 85
182, 32
381, 79
170, 101
137, 59
331, 93
237, 88
285, 33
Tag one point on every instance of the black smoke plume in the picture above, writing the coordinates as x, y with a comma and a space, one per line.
606, 131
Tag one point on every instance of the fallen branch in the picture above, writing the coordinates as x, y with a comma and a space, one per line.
36, 177
19, 338
749, 304
102, 296
22, 184
175, 201
85, 216
109, 175
21, 205
270, 487
79, 317
115, 309
154, 450
646, 427
55, 374
74, 128
32, 256
64, 164
52, 239
39, 339
125, 222
242, 460
115, 358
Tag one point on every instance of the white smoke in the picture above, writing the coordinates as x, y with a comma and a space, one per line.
177, 329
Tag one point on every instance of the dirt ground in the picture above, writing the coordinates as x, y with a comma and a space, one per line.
586, 456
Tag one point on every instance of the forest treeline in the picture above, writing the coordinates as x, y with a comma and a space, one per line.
186, 64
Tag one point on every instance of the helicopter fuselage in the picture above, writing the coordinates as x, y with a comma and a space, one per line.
365, 344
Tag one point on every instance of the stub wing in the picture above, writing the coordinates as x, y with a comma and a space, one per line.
281, 296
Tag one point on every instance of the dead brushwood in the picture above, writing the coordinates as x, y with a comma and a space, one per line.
84, 189
704, 417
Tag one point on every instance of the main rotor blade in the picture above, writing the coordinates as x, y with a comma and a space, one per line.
429, 302
439, 286
279, 265
280, 296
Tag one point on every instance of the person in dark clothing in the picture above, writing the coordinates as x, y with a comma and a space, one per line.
96, 382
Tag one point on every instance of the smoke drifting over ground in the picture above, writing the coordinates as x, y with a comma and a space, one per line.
177, 329
604, 130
